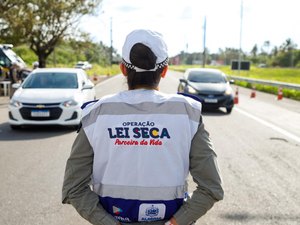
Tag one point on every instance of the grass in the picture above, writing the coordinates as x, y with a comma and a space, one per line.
288, 75
276, 74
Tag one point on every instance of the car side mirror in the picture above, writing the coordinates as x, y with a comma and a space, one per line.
16, 85
181, 80
87, 86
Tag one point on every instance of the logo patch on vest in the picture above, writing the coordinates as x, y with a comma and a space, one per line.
117, 210
138, 133
151, 212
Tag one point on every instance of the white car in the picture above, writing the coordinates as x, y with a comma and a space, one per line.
85, 65
51, 96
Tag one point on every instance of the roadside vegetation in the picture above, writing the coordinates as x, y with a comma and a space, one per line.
67, 53
42, 25
288, 75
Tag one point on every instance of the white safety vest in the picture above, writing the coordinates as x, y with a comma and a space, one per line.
141, 141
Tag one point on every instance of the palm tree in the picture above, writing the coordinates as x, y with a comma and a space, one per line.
267, 45
254, 51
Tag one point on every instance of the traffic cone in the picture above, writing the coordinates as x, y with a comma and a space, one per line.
280, 94
236, 97
95, 77
253, 93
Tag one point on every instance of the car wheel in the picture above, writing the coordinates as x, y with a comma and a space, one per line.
180, 88
15, 127
228, 110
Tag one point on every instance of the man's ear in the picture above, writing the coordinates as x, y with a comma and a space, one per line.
123, 69
164, 72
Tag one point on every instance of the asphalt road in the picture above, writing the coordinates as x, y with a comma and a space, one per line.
258, 148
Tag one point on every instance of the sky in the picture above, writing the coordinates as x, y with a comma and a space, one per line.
229, 23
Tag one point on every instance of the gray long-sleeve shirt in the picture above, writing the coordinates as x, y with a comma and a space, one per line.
203, 169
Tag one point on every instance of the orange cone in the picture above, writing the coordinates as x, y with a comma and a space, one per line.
253, 93
95, 77
280, 94
236, 97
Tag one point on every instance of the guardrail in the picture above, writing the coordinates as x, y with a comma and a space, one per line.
266, 82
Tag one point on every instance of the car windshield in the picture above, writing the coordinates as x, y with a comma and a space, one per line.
206, 77
51, 80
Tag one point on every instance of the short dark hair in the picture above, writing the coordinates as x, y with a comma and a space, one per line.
142, 57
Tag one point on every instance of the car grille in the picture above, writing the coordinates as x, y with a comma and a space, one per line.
210, 95
54, 111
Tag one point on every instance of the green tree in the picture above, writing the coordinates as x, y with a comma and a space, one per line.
274, 51
286, 57
266, 46
253, 53
86, 50
41, 23
231, 54
288, 45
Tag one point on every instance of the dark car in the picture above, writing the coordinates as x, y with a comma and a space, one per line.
209, 86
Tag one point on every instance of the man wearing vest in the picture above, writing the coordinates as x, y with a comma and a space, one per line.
130, 161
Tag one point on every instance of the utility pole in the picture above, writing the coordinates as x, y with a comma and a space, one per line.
111, 43
204, 43
241, 26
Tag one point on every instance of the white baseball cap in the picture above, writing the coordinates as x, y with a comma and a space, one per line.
152, 40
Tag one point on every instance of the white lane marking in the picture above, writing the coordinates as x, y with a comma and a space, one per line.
272, 126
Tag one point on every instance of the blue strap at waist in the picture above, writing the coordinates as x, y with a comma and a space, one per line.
126, 210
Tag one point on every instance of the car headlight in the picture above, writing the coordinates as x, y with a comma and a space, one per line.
191, 90
15, 103
228, 91
70, 103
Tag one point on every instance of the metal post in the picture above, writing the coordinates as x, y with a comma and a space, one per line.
111, 43
204, 42
241, 26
